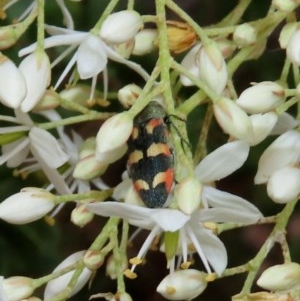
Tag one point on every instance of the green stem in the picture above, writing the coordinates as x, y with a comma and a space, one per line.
92, 115
276, 234
41, 26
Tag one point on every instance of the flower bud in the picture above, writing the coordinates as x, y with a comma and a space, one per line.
124, 49
59, 284
262, 296
79, 94
285, 123
182, 285
114, 132
17, 288
145, 41
49, 101
128, 95
180, 36
232, 119
212, 67
284, 5
9, 35
284, 151
36, 71
121, 26
245, 35
12, 87
286, 33
113, 268
111, 156
188, 195
262, 125
190, 63
121, 297
88, 167
226, 47
293, 48
284, 185
81, 216
281, 277
261, 98
26, 206
93, 259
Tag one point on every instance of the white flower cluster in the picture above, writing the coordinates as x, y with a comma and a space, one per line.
187, 225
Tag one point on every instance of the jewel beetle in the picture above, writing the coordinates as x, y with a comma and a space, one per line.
150, 160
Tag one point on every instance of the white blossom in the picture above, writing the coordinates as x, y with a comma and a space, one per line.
245, 35
17, 288
293, 48
219, 206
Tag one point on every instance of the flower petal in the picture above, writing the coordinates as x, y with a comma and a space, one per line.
222, 162
213, 249
91, 57
3, 296
224, 200
47, 147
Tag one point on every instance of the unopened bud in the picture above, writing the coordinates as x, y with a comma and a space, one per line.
81, 216
232, 119
93, 259
284, 185
121, 26
128, 95
59, 284
227, 47
188, 194
281, 277
114, 132
285, 5
26, 206
261, 98
113, 268
88, 167
182, 285
49, 101
124, 49
212, 67
245, 35
36, 71
17, 288
180, 36
284, 151
293, 48
262, 125
145, 41
286, 33
79, 94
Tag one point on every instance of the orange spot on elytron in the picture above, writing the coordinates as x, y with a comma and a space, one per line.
141, 185
165, 177
135, 157
135, 133
152, 124
157, 149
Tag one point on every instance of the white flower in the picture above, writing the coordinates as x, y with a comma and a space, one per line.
283, 152
91, 56
183, 285
12, 83
59, 284
144, 41
218, 207
26, 206
261, 98
121, 26
245, 35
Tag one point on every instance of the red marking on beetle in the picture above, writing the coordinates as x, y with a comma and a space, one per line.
140, 185
165, 177
152, 124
